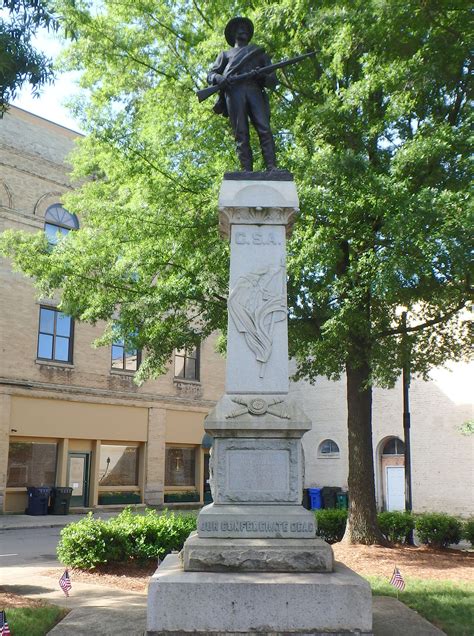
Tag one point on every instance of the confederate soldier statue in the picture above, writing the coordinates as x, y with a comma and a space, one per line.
246, 99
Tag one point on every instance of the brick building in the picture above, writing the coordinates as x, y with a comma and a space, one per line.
72, 415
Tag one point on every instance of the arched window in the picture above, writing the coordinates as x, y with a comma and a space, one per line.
394, 446
328, 448
58, 221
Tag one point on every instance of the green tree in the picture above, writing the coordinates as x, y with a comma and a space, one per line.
20, 62
375, 129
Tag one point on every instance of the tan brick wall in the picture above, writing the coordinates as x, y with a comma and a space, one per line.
155, 459
33, 175
5, 403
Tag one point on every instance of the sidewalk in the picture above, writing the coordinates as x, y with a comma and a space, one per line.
106, 611
20, 522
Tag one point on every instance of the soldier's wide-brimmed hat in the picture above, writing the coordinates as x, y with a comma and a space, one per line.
231, 28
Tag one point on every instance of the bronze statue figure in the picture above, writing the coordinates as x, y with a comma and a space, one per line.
240, 76
245, 100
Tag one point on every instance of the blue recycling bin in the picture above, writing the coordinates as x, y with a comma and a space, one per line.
315, 498
38, 499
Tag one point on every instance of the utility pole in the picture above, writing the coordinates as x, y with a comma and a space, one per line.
406, 418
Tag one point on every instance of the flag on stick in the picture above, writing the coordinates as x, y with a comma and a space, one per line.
397, 580
65, 583
4, 629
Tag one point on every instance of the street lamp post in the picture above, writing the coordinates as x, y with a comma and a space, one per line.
406, 418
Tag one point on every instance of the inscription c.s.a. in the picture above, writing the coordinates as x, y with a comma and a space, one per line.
256, 238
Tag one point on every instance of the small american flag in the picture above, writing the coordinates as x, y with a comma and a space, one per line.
4, 629
65, 583
397, 580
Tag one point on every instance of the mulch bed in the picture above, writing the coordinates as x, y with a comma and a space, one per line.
131, 576
417, 562
13, 600
421, 563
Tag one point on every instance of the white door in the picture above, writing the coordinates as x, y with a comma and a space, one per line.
395, 487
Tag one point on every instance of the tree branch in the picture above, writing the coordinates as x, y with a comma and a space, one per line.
429, 323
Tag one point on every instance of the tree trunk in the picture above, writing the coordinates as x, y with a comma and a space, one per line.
362, 520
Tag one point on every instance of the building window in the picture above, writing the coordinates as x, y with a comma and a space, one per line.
394, 446
58, 222
118, 465
55, 335
180, 467
31, 464
124, 357
186, 364
328, 448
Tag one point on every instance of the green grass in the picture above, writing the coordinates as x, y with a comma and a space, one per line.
33, 621
447, 604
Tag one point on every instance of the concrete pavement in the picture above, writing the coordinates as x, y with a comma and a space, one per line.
106, 611
21, 522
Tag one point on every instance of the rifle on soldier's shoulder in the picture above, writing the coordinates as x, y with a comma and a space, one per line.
264, 70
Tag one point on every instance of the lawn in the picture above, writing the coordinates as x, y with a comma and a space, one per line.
30, 617
447, 604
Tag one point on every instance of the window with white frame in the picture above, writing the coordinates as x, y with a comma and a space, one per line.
328, 448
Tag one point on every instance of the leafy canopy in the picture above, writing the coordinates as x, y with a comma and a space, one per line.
375, 129
20, 62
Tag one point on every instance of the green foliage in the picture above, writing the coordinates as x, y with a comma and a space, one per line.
395, 525
34, 621
467, 427
468, 531
92, 542
20, 62
446, 604
438, 529
84, 544
331, 524
375, 129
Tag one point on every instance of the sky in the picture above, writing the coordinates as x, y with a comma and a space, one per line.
50, 103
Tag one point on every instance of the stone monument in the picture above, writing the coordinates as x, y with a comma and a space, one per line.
255, 564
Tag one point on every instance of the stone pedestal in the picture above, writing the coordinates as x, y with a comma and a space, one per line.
255, 564
263, 603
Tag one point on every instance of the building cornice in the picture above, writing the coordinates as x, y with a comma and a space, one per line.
31, 388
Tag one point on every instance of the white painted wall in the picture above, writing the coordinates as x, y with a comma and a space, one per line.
442, 458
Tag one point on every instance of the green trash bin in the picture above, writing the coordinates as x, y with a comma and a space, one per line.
60, 500
342, 500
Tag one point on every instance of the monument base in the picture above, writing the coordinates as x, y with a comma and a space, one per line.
261, 602
257, 555
241, 521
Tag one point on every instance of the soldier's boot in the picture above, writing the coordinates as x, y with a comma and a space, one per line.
246, 160
268, 151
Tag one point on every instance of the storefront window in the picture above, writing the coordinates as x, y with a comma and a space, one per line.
31, 464
118, 465
180, 465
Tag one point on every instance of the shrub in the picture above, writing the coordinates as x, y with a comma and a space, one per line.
395, 525
438, 529
83, 544
331, 524
468, 531
92, 542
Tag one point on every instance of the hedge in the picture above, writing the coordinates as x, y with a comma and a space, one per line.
92, 542
438, 529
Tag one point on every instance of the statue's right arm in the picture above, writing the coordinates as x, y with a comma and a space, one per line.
215, 75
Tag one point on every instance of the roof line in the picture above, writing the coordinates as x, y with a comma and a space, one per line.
50, 121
